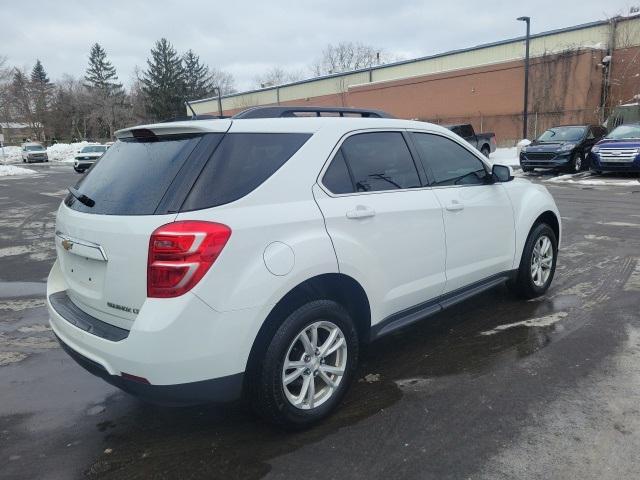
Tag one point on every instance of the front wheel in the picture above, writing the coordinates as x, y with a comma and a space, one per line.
576, 164
538, 263
308, 365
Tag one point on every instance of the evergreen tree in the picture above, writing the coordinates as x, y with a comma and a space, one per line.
40, 89
101, 74
198, 82
163, 82
106, 93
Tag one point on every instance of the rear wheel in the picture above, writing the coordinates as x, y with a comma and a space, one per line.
308, 366
485, 151
538, 263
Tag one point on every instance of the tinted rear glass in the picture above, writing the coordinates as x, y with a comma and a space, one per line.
240, 164
133, 175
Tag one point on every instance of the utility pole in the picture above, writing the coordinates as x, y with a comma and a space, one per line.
216, 90
525, 112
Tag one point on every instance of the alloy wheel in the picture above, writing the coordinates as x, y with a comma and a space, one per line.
541, 261
314, 365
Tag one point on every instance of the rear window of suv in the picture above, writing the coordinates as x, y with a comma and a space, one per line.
135, 175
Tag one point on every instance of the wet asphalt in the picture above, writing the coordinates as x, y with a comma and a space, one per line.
493, 388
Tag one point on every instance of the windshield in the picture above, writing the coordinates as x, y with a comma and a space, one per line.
625, 131
35, 148
563, 134
93, 149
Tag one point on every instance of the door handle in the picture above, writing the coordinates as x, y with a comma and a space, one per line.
455, 206
361, 212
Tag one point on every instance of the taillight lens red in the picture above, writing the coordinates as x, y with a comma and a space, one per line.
180, 254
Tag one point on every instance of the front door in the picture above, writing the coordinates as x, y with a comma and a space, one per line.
478, 216
386, 227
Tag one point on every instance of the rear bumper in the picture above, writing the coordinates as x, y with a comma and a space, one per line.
188, 352
219, 390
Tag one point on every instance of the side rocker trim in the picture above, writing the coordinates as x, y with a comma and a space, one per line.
413, 314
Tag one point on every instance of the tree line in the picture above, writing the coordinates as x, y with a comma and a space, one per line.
94, 106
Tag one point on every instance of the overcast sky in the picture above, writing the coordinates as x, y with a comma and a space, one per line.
248, 37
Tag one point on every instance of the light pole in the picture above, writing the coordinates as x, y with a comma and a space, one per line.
525, 112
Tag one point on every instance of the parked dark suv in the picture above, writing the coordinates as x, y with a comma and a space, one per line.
619, 151
564, 147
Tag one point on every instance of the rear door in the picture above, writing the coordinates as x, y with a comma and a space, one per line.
386, 227
478, 217
136, 186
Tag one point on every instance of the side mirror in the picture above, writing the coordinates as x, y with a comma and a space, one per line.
502, 173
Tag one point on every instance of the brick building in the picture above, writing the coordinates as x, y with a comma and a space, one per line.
577, 75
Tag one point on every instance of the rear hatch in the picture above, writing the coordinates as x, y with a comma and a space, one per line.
103, 229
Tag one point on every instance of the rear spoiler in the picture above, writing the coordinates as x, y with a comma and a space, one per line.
176, 128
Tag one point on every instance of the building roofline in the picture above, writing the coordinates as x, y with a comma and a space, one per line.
556, 31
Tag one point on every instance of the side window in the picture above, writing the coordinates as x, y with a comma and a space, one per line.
337, 178
380, 161
466, 131
450, 163
240, 164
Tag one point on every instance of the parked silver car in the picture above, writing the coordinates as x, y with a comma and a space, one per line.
34, 152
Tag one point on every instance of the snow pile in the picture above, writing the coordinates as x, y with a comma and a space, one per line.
64, 152
10, 170
11, 154
593, 180
506, 156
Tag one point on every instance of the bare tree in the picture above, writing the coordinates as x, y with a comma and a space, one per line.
347, 56
223, 80
276, 76
5, 84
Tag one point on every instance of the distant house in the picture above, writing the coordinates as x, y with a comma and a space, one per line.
15, 132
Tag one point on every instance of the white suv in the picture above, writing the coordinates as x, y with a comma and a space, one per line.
202, 260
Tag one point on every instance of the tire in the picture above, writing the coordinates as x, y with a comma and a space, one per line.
576, 164
486, 151
276, 401
527, 284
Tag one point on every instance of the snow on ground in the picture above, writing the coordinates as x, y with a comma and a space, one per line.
60, 152
10, 170
11, 154
64, 152
587, 179
506, 156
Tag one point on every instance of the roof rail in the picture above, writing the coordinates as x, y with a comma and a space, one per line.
182, 118
306, 111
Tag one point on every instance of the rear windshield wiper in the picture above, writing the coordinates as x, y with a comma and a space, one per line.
82, 198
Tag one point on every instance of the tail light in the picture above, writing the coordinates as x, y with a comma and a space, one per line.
180, 254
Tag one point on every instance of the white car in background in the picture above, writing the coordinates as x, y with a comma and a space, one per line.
87, 156
206, 260
34, 152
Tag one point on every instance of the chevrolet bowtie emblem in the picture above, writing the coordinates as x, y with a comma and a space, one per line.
67, 244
